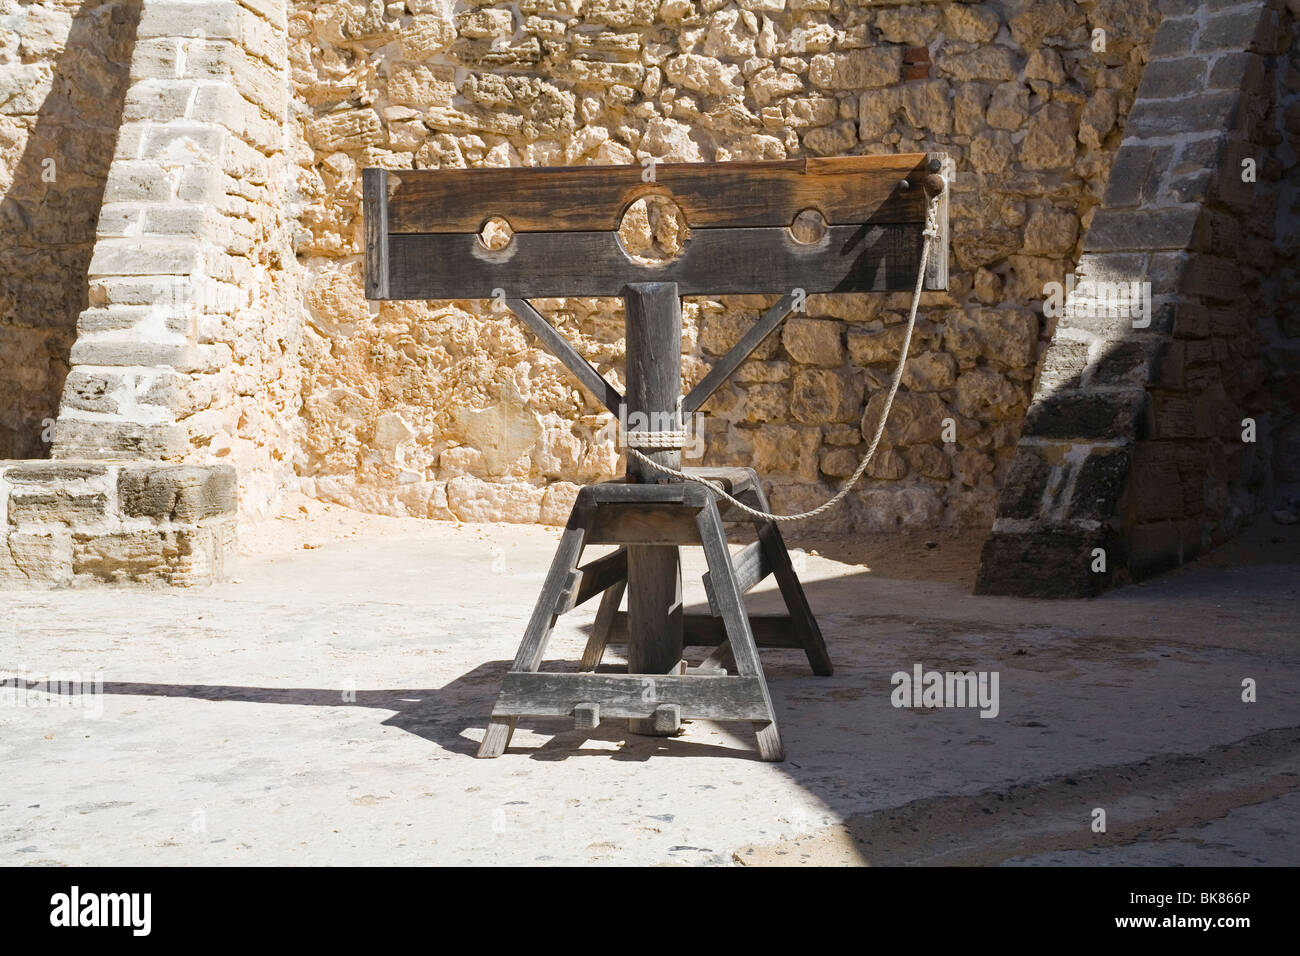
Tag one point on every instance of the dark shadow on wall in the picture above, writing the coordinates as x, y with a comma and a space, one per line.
50, 208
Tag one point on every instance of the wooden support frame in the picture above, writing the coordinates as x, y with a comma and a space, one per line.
421, 242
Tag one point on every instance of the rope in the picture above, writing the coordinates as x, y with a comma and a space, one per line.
930, 233
670, 440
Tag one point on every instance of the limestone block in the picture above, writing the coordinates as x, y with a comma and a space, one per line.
915, 418
186, 493
1007, 336
857, 69
36, 558
472, 499
813, 341
820, 395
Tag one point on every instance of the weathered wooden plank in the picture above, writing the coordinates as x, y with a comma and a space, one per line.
602, 627
560, 347
650, 524
732, 612
667, 719
622, 491
848, 189
802, 620
871, 258
593, 578
542, 621
715, 662
497, 737
654, 577
801, 615
750, 566
699, 697
374, 198
586, 716
723, 368
734, 481
936, 267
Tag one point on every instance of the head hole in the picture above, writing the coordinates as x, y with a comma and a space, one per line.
653, 230
495, 234
808, 227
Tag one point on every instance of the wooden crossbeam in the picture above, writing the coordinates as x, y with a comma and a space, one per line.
591, 579
644, 524
871, 257
723, 368
699, 697
845, 189
559, 346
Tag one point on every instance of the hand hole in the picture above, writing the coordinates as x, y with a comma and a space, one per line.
808, 227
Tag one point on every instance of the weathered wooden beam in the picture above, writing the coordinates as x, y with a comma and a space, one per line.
699, 697
714, 663
654, 577
845, 189
731, 604
593, 578
936, 267
864, 258
603, 625
622, 491
586, 716
750, 566
723, 368
374, 200
644, 525
802, 621
560, 347
667, 719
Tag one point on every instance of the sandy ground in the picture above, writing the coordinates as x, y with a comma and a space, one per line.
325, 705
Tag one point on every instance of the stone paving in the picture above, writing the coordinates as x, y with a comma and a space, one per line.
324, 707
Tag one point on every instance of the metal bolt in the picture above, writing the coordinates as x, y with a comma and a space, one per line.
935, 165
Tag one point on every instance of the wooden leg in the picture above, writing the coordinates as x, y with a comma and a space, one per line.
497, 738
796, 602
600, 631
533, 647
736, 622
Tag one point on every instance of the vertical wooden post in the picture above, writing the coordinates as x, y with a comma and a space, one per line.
654, 579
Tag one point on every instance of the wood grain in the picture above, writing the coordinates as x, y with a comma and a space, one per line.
845, 189
868, 258
700, 697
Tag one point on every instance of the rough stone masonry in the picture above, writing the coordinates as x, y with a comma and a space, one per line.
218, 318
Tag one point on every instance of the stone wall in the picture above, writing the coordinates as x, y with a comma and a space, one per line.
63, 75
447, 410
1279, 322
222, 323
1155, 436
188, 350
73, 523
